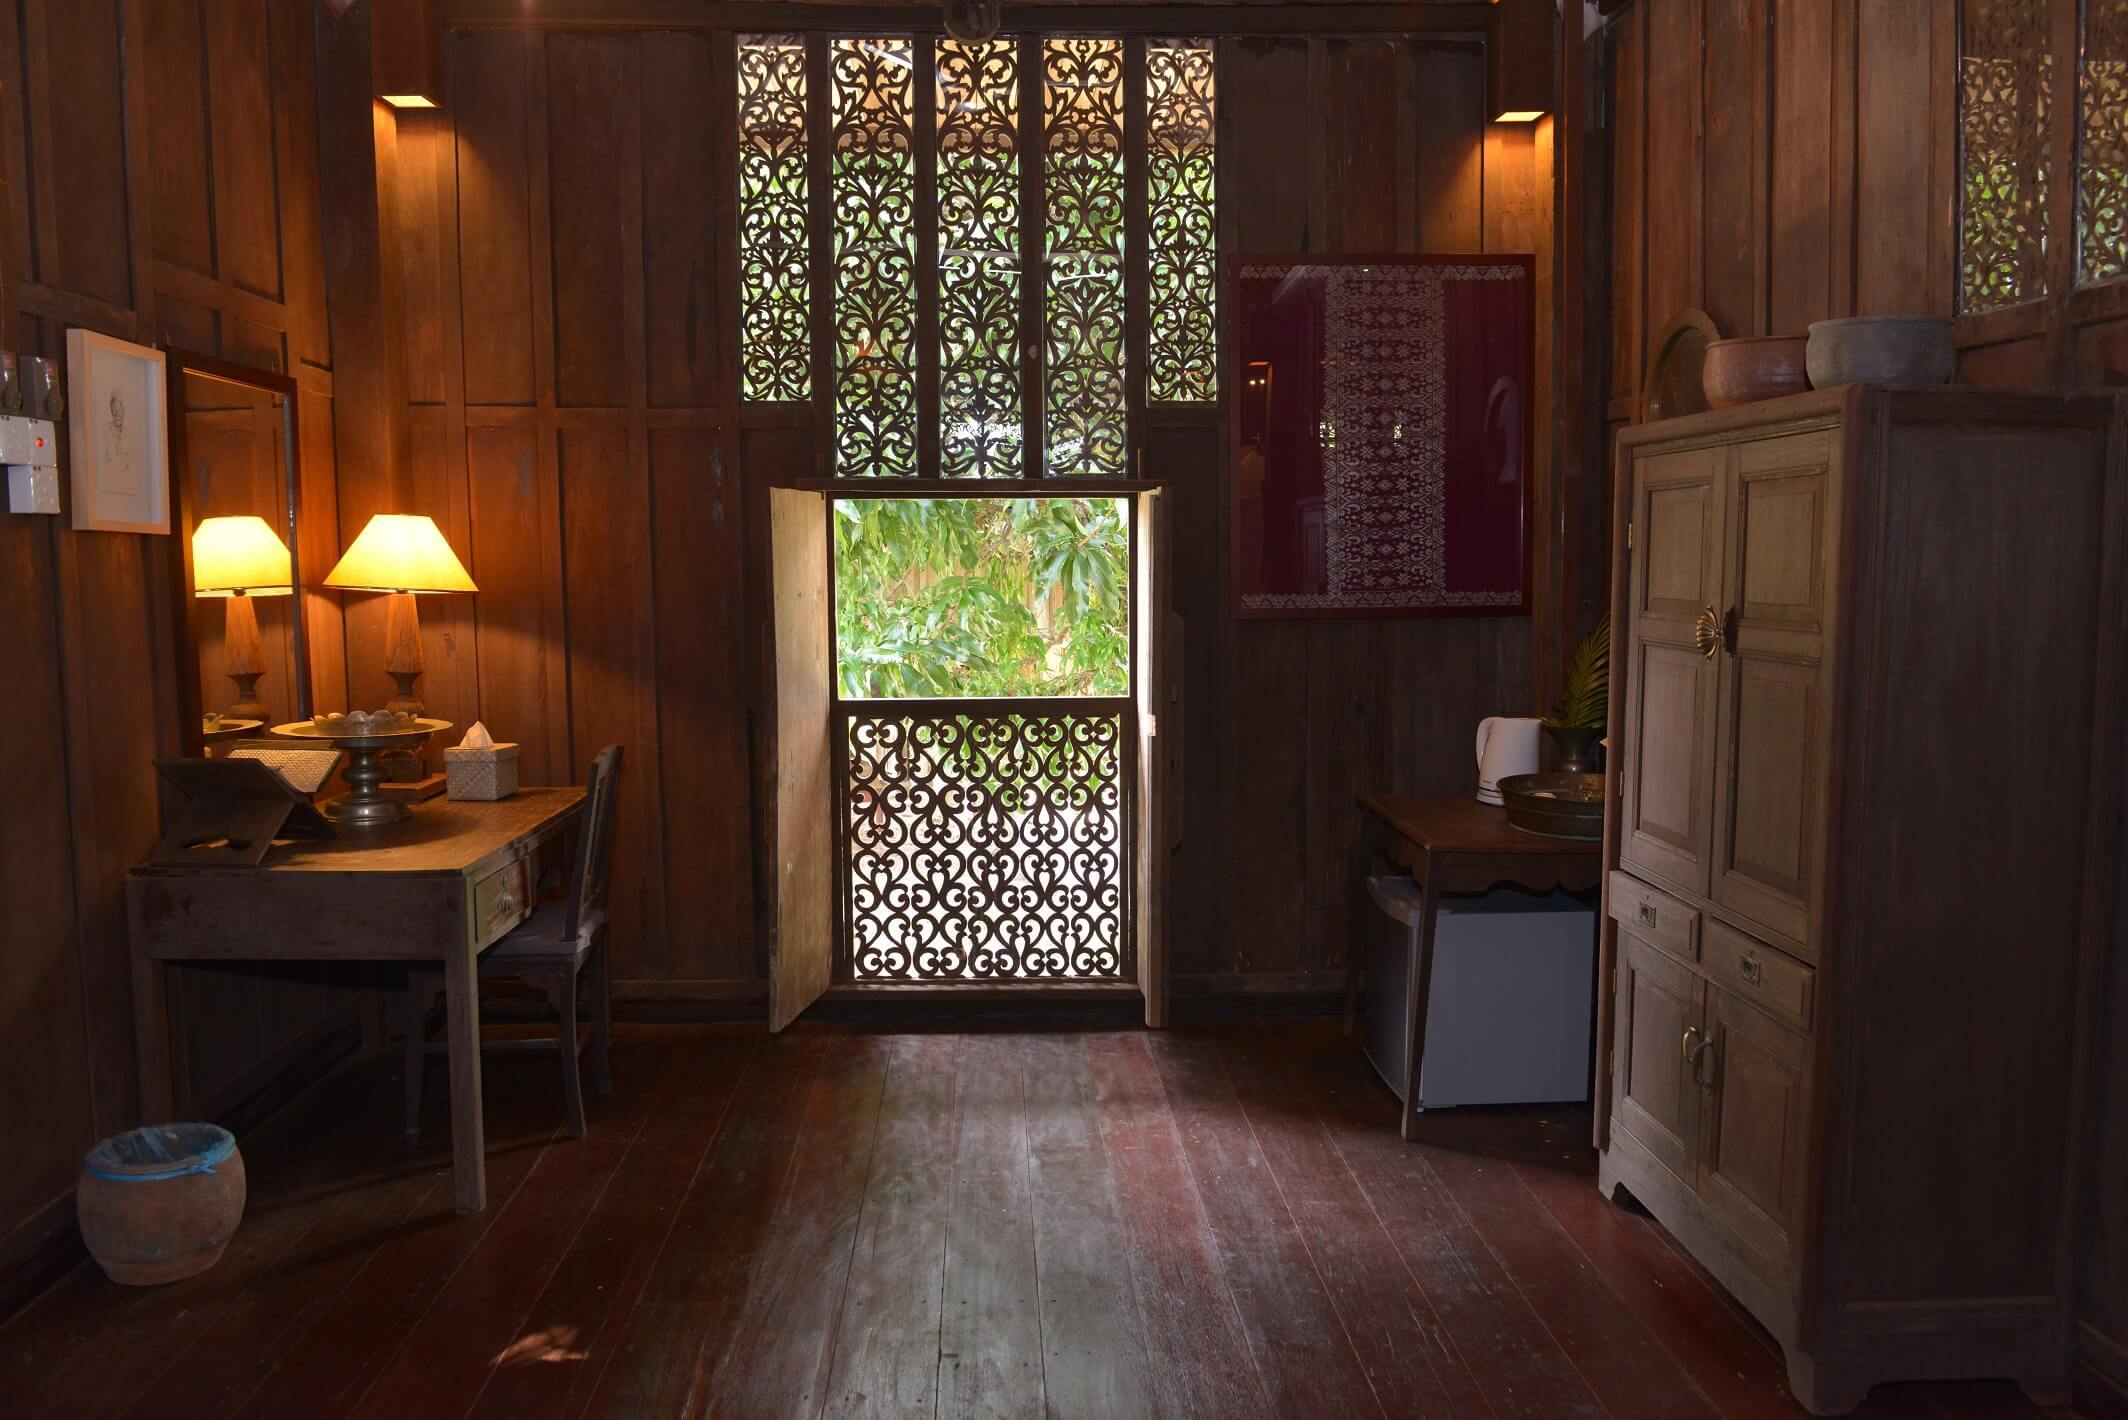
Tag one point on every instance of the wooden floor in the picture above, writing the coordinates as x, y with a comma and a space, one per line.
832, 1222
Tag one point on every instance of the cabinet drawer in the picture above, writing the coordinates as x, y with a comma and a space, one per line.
1773, 981
1655, 917
501, 900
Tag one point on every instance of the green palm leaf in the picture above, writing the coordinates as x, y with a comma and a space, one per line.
1586, 701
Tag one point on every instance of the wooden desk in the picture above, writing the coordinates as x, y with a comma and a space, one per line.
440, 888
1457, 846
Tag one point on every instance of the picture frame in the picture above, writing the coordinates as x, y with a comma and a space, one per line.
1379, 450
118, 434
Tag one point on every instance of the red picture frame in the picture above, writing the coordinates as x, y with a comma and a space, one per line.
1379, 434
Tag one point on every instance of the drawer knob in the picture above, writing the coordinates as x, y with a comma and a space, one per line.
1751, 967
506, 904
1647, 914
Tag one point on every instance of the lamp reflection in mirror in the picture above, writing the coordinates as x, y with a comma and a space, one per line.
405, 555
238, 558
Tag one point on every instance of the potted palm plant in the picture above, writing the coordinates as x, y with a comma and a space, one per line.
1576, 723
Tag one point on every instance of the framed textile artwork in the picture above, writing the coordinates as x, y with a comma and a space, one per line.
1380, 435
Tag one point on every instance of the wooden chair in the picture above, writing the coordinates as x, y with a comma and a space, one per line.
548, 950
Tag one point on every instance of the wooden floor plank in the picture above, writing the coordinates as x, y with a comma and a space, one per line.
1414, 1368
1619, 1357
1197, 1350
990, 1326
1518, 1364
1737, 1367
774, 1361
576, 1321
470, 1326
998, 1222
698, 1283
412, 1240
1092, 1355
154, 1327
886, 1356
1298, 1339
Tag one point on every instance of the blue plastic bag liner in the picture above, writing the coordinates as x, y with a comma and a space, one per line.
160, 1151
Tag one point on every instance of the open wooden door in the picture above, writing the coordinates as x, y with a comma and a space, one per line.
801, 949
1158, 675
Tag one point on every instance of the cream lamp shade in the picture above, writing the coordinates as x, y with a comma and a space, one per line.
400, 552
234, 557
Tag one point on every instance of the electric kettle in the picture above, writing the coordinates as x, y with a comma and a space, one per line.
1506, 747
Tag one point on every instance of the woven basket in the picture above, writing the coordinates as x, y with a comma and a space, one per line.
481, 773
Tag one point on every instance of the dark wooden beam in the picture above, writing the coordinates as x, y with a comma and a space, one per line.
1452, 18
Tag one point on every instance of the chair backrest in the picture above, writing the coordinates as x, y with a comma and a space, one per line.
594, 845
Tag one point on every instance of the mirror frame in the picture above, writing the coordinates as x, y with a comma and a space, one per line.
179, 363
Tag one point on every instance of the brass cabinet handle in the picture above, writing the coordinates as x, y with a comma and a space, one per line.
1707, 633
1752, 968
1696, 1053
1685, 1045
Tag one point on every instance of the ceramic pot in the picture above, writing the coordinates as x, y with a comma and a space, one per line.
1881, 350
1577, 750
1754, 367
160, 1203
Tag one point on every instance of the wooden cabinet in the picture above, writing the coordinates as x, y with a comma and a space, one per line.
1660, 1009
1667, 811
1866, 771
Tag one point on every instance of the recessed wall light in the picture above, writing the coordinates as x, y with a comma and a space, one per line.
409, 100
1519, 115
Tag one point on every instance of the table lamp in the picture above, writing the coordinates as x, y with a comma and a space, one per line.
237, 559
403, 554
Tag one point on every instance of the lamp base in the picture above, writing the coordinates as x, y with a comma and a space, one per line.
404, 698
247, 705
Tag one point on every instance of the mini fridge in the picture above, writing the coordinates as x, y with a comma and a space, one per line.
1513, 996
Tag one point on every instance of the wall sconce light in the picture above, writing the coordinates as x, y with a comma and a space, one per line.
406, 53
1521, 38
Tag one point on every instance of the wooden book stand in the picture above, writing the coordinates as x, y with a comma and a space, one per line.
234, 809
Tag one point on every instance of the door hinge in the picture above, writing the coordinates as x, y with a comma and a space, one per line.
1629, 537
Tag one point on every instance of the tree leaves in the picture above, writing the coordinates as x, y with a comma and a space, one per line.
982, 596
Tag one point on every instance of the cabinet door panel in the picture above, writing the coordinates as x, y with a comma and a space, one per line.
1750, 1152
1771, 744
1657, 1101
1668, 725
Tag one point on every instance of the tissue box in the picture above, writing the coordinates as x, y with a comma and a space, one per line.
481, 773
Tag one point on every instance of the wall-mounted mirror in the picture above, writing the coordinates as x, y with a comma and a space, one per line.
233, 452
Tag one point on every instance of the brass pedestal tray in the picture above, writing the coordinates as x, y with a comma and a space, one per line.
365, 738
1555, 805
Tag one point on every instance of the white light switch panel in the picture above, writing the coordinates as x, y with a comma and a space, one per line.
30, 441
31, 489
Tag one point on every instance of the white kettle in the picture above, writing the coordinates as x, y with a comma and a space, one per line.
1506, 746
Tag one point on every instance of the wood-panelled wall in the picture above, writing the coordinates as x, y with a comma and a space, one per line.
1778, 162
564, 238
161, 184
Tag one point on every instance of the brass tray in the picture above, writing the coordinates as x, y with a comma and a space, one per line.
1555, 805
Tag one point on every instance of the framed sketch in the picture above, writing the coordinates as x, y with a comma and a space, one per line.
118, 434
1380, 435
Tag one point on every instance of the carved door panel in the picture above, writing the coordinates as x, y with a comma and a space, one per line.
1772, 737
1669, 723
1752, 1140
1658, 1027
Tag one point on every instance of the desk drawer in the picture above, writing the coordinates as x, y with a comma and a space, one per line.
1773, 981
501, 900
1655, 917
